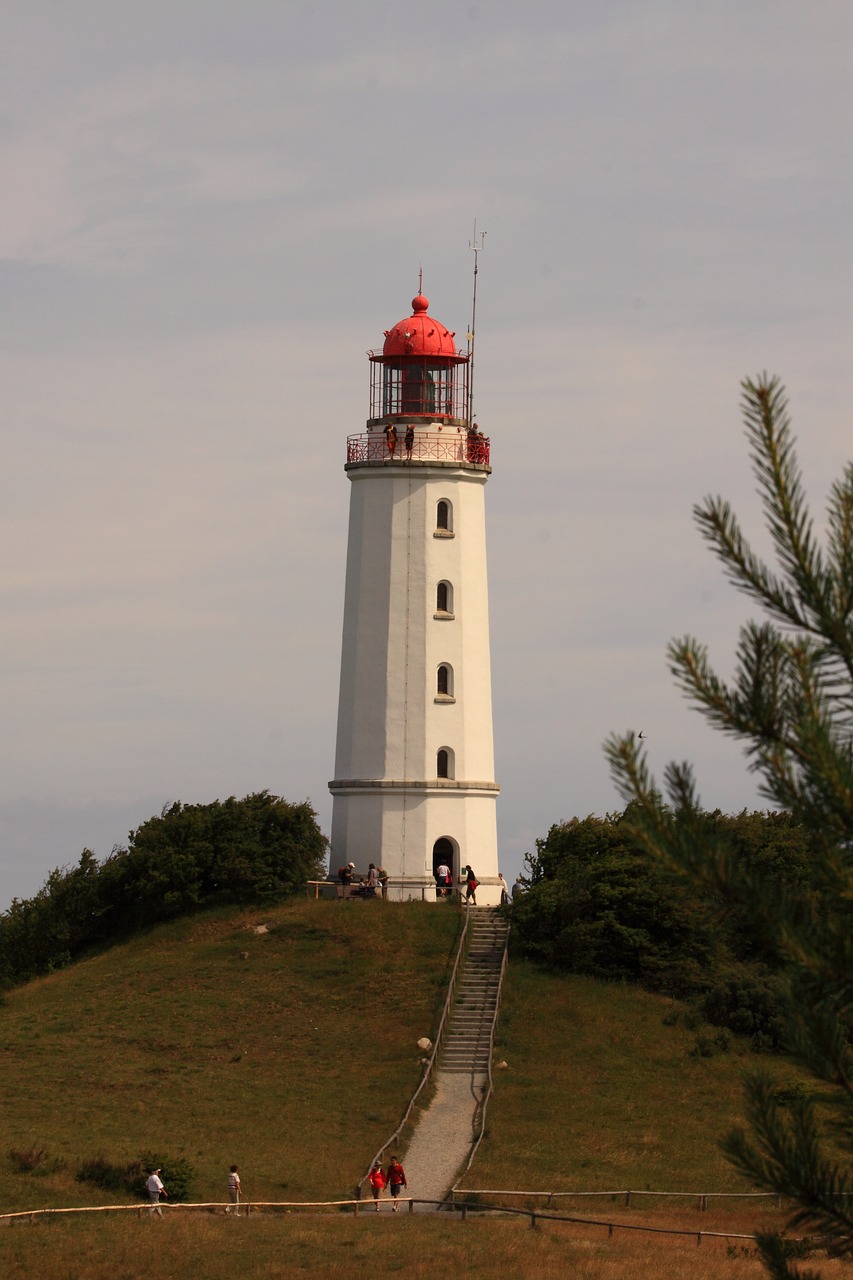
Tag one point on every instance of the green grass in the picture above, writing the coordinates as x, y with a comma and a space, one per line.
295, 1062
600, 1094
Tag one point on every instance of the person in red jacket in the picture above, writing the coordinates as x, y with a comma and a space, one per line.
376, 1178
396, 1178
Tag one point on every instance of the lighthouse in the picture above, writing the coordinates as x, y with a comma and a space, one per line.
414, 780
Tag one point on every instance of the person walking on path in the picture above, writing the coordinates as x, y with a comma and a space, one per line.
396, 1179
155, 1191
470, 887
233, 1188
376, 1178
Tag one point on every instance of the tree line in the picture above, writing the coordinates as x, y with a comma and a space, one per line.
258, 849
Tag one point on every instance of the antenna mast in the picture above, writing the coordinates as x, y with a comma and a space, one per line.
475, 246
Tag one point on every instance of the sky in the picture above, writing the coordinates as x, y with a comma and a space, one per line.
212, 210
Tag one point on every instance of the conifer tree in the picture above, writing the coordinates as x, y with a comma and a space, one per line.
790, 703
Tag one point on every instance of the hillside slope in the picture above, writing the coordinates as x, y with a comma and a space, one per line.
297, 1061
294, 1062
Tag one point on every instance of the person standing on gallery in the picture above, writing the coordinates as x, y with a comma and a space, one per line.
155, 1191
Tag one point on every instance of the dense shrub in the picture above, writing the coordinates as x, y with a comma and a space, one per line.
596, 904
749, 1001
131, 1177
257, 849
108, 1176
176, 1174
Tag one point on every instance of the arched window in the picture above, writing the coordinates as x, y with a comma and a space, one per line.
444, 763
444, 519
444, 598
444, 683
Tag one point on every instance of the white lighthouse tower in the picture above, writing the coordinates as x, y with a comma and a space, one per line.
414, 766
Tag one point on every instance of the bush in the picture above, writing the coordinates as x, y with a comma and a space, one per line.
111, 1177
34, 1160
132, 1177
176, 1174
707, 1046
596, 905
749, 1002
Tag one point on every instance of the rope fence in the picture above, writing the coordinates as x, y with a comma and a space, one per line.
463, 1209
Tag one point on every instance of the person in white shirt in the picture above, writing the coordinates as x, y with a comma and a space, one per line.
155, 1191
233, 1187
444, 879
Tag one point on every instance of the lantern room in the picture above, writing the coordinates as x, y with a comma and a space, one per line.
420, 373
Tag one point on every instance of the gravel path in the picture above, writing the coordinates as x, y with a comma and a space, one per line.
443, 1139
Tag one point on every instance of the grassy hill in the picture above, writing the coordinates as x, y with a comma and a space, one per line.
293, 1054
289, 1053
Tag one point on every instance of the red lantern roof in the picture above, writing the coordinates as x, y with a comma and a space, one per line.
420, 335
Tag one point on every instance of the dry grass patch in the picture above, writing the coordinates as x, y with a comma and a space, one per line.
267, 1248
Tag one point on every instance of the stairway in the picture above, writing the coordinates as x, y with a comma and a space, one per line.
468, 1038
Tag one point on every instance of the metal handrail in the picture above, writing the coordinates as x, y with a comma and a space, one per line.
480, 1113
451, 987
448, 445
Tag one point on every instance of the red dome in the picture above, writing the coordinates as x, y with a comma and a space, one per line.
420, 335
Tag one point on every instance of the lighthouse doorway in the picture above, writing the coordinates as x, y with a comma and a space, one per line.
445, 852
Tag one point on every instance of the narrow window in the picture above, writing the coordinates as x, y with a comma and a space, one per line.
444, 763
444, 681
443, 517
444, 598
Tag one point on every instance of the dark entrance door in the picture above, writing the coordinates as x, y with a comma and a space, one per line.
442, 852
